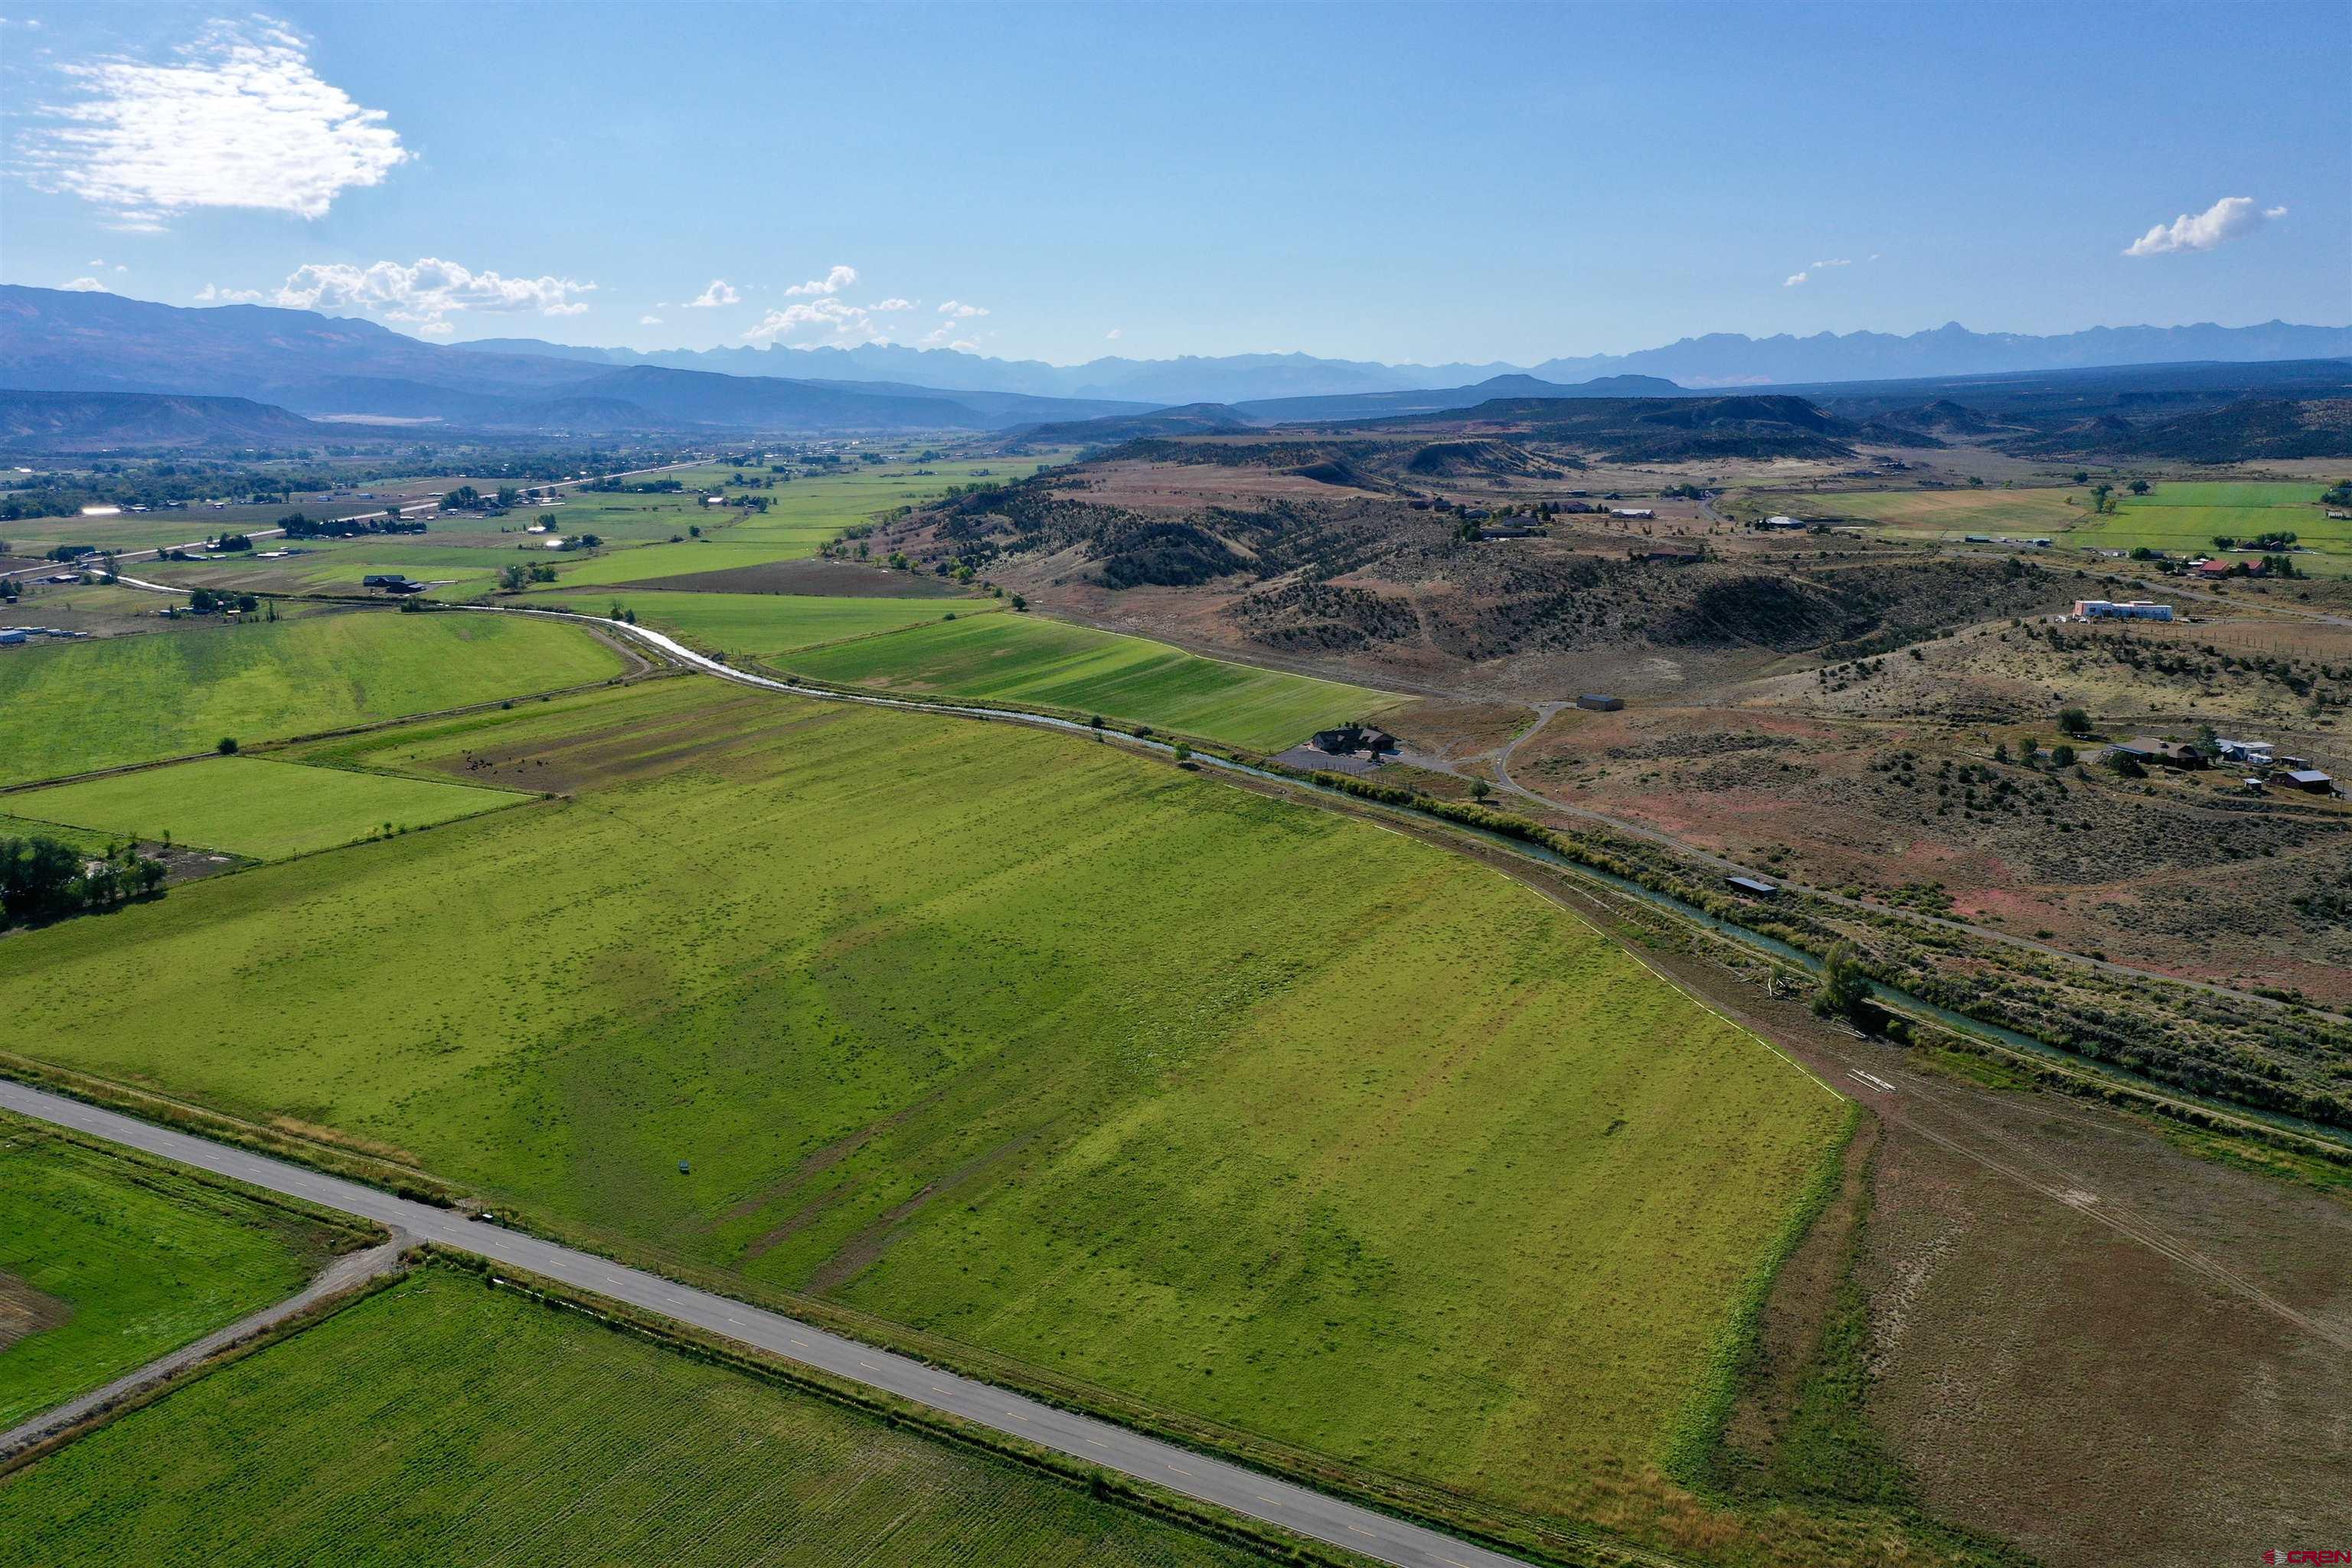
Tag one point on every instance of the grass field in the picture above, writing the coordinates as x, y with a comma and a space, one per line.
762, 626
69, 707
251, 806
1250, 1110
1954, 511
1052, 663
2184, 519
107, 1262
443, 1422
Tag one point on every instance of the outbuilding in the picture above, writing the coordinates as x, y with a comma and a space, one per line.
1754, 887
2311, 781
1599, 702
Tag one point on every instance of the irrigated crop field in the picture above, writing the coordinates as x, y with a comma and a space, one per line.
1952, 512
443, 1422
1255, 1111
762, 626
2184, 519
1036, 662
107, 1261
252, 806
75, 706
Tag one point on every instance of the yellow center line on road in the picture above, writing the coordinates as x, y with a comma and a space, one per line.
1263, 1498
1359, 1530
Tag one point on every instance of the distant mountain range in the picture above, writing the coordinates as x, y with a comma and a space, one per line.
84, 421
61, 341
1716, 360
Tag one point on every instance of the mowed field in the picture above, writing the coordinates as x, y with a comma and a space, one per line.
1032, 661
443, 1422
2184, 519
107, 1261
1247, 1109
1955, 512
254, 807
762, 626
72, 707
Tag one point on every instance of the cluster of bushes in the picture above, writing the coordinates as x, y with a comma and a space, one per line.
42, 879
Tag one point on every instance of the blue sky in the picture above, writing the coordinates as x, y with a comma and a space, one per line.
1396, 182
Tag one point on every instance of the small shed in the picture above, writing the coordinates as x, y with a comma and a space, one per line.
1754, 887
2309, 779
1599, 702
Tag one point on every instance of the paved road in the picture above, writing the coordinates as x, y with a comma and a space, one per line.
1227, 1486
344, 1272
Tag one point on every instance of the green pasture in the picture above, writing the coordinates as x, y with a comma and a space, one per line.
107, 1261
255, 807
1954, 512
69, 706
444, 1422
762, 626
1244, 1108
1052, 663
2185, 519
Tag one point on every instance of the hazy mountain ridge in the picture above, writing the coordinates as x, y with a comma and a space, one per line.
1715, 359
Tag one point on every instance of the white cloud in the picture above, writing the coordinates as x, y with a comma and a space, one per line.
1794, 279
1112, 336
2224, 220
425, 290
833, 282
650, 320
721, 292
213, 294
960, 310
435, 329
94, 263
966, 344
843, 320
84, 285
893, 303
237, 119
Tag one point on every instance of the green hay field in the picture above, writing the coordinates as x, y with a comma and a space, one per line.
444, 1422
1035, 662
1244, 1108
113, 1261
73, 707
1955, 512
2184, 519
248, 805
762, 626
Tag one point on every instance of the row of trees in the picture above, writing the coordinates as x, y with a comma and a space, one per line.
43, 879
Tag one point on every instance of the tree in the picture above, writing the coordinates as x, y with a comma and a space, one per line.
226, 746
1846, 986
2062, 756
2082, 478
1019, 602
2099, 494
1480, 789
1183, 752
2073, 721
2140, 487
513, 578
2125, 765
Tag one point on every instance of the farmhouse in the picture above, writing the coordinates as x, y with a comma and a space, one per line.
1349, 739
1599, 702
2163, 752
2258, 752
2127, 610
